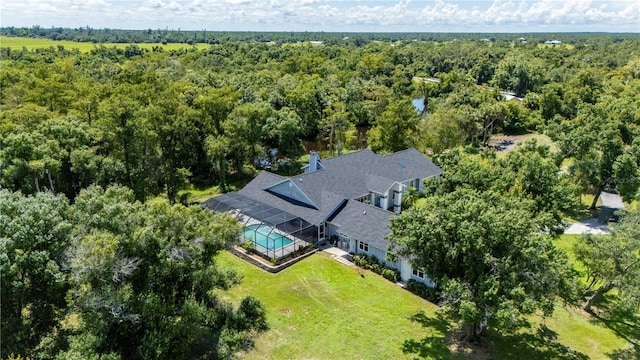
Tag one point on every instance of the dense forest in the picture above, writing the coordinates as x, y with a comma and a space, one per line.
93, 144
156, 121
164, 36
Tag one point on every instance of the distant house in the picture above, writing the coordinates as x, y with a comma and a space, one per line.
553, 42
349, 199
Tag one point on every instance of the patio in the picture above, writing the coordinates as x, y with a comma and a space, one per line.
272, 222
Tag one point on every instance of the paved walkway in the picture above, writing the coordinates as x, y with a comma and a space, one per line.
338, 254
589, 226
598, 225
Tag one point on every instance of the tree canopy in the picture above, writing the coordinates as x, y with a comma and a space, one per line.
613, 262
140, 279
489, 259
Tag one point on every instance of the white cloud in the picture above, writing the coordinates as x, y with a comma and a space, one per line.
330, 15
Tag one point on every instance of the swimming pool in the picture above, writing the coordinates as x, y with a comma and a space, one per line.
260, 235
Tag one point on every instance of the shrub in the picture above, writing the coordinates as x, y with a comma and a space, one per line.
377, 268
370, 262
232, 341
423, 291
359, 259
251, 315
247, 245
391, 275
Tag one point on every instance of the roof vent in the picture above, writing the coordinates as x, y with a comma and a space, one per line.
402, 165
364, 212
300, 179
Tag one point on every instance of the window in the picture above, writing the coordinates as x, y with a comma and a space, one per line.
365, 199
418, 273
321, 231
363, 246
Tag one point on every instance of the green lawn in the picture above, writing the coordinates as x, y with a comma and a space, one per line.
321, 309
584, 212
34, 43
199, 194
569, 334
566, 243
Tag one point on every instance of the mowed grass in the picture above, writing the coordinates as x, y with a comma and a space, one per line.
38, 43
195, 194
321, 309
570, 333
610, 334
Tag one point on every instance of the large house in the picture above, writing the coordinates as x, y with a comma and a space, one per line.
349, 199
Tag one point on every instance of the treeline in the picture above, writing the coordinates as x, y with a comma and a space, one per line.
88, 34
156, 121
111, 278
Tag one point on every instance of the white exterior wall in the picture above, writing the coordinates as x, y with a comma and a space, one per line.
395, 193
343, 241
402, 265
384, 200
406, 273
405, 270
379, 254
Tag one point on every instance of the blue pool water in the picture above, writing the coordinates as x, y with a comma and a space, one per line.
259, 233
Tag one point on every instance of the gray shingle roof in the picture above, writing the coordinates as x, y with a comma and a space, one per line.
351, 174
326, 200
365, 223
343, 178
377, 183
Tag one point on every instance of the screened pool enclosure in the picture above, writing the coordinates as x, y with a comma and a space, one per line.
274, 233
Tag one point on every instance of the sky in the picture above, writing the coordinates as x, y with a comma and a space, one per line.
515, 16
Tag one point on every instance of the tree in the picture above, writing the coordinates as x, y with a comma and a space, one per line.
283, 130
69, 134
601, 156
441, 130
127, 133
486, 255
519, 73
395, 128
216, 148
217, 104
29, 158
537, 177
337, 125
613, 262
245, 125
625, 168
144, 277
528, 172
34, 235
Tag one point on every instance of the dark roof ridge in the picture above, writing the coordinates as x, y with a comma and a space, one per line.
401, 151
349, 153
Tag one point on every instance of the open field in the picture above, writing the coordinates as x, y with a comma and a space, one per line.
34, 43
321, 309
